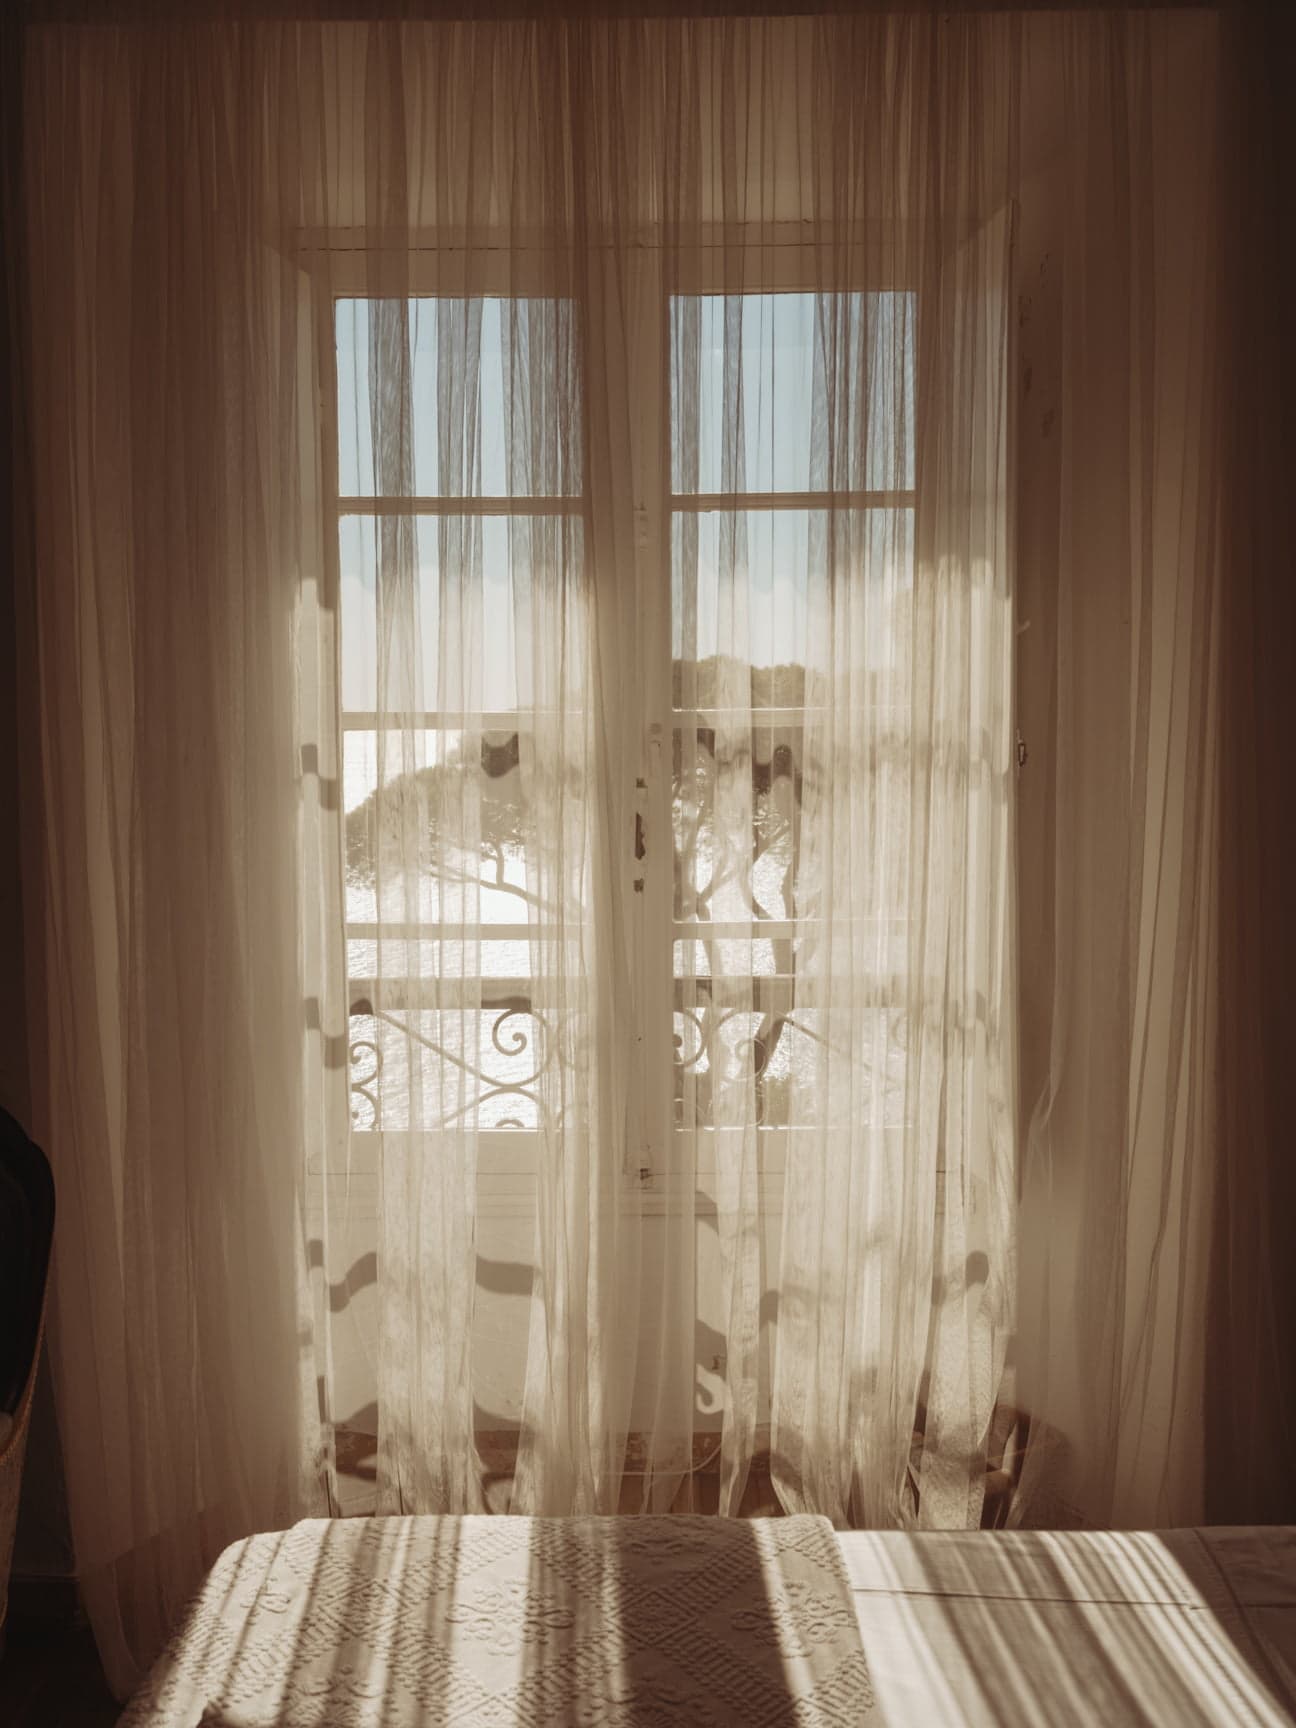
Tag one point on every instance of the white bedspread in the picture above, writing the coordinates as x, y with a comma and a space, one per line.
626, 1623
519, 1623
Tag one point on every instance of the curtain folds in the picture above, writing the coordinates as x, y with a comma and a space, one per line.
1122, 584
560, 992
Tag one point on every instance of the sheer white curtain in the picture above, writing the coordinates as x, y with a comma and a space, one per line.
718, 742
523, 643
168, 568
488, 745
843, 687
1124, 573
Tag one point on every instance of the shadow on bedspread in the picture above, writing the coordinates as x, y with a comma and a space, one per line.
1102, 1627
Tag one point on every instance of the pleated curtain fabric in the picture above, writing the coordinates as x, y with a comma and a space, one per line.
689, 678
547, 537
1121, 437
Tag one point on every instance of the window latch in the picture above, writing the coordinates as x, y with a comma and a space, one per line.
640, 832
643, 781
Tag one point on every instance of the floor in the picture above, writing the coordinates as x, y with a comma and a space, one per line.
50, 1675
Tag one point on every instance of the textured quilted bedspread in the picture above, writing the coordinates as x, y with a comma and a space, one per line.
505, 1622
703, 1623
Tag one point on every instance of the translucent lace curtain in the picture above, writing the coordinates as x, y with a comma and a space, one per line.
507, 496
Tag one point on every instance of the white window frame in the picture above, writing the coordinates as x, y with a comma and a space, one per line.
774, 259
345, 268
783, 258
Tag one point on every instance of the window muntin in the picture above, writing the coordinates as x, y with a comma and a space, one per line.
490, 429
751, 375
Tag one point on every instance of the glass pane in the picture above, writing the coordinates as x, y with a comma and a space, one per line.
441, 829
497, 958
736, 808
792, 392
741, 584
751, 598
489, 387
462, 644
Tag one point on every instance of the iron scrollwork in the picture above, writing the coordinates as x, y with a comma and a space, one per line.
518, 1030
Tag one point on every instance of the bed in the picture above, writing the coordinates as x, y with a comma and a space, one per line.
623, 1623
